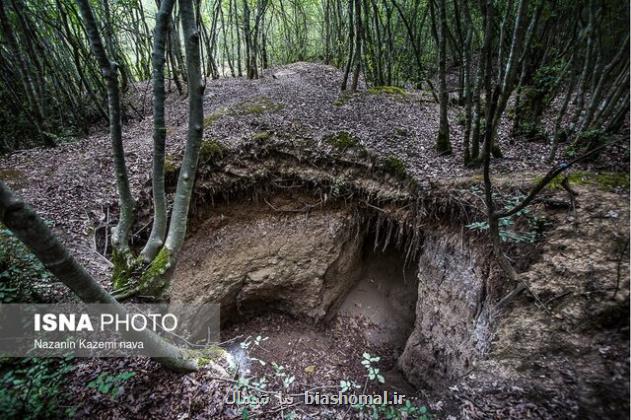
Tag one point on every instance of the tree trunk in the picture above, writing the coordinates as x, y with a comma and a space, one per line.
120, 234
351, 37
29, 228
357, 55
186, 179
158, 230
443, 144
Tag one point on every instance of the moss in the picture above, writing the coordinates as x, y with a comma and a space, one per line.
210, 150
395, 166
343, 140
209, 355
255, 106
531, 131
125, 269
153, 280
388, 90
203, 361
604, 180
261, 136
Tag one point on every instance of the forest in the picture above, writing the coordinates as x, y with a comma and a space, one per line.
372, 209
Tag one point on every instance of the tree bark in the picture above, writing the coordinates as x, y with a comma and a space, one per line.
357, 55
159, 227
120, 234
29, 228
443, 144
351, 38
186, 179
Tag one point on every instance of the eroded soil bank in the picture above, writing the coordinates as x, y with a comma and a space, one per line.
329, 264
351, 245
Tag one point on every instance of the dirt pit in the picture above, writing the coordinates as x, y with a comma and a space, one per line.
322, 284
376, 316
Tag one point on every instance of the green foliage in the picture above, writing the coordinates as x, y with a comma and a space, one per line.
23, 278
507, 226
342, 140
395, 166
32, 388
546, 77
111, 384
281, 382
394, 412
373, 372
461, 118
384, 410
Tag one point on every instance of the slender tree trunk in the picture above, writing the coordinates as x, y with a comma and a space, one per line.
596, 94
186, 180
158, 230
468, 84
557, 125
351, 43
357, 55
236, 18
120, 234
443, 144
507, 81
582, 84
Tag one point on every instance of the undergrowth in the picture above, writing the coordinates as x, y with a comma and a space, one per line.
109, 384
258, 394
23, 278
32, 388
510, 228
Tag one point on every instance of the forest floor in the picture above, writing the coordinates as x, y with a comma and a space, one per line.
579, 352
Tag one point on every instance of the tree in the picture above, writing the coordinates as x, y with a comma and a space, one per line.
442, 143
37, 236
29, 228
109, 70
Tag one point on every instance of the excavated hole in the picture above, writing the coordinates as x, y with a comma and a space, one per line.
328, 281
